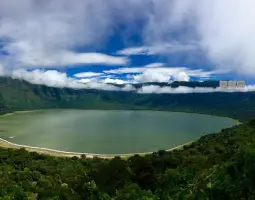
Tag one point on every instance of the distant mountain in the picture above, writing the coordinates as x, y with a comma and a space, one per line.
21, 95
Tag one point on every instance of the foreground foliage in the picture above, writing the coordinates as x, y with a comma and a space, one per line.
217, 166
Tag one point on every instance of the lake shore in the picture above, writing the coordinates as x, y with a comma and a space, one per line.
52, 152
19, 112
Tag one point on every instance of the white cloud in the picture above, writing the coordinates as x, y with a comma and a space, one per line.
181, 76
114, 81
167, 70
68, 58
154, 65
143, 50
39, 33
59, 79
163, 74
152, 76
158, 49
85, 80
125, 70
223, 29
101, 86
63, 58
87, 74
50, 77
227, 32
55, 78
45, 33
183, 90
128, 88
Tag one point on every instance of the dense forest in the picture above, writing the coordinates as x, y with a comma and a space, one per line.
20, 95
217, 166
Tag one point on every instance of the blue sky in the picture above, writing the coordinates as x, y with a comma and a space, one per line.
69, 43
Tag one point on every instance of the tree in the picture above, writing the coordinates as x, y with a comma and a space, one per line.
133, 191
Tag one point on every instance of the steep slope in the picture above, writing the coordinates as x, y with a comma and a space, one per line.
21, 95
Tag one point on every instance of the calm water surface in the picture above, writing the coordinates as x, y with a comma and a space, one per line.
108, 132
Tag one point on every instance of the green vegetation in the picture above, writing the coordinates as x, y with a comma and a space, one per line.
21, 95
217, 166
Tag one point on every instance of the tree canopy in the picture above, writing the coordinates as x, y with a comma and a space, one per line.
217, 166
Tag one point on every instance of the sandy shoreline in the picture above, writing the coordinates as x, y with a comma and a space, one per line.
19, 112
52, 152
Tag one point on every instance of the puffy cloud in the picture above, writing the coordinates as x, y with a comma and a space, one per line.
87, 74
55, 78
223, 30
45, 33
226, 30
152, 76
114, 81
39, 33
181, 76
155, 73
161, 76
50, 77
86, 80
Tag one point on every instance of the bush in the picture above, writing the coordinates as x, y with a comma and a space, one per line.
83, 156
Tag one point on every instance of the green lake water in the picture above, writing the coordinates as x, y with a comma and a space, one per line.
108, 132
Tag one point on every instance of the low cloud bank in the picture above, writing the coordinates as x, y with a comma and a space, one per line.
55, 78
156, 72
183, 90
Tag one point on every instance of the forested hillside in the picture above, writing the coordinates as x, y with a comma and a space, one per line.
21, 95
217, 166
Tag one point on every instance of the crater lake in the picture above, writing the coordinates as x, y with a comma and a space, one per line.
108, 132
